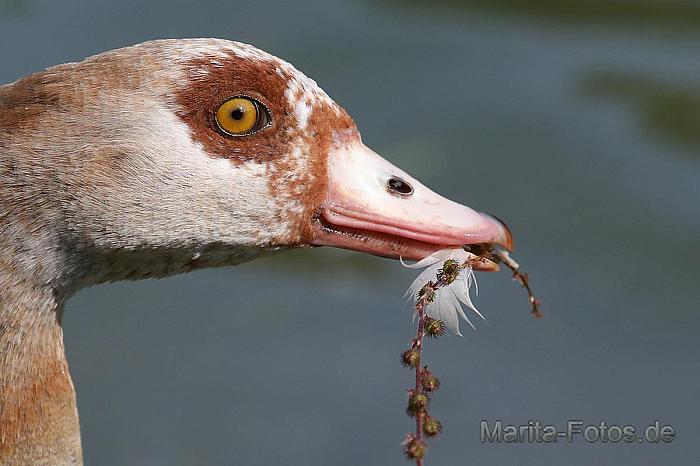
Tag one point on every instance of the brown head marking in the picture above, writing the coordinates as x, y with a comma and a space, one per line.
293, 148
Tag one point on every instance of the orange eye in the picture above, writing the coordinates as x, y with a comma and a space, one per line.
239, 116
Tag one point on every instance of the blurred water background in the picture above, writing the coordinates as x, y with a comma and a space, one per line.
576, 121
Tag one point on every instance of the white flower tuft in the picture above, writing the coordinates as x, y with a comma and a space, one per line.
447, 305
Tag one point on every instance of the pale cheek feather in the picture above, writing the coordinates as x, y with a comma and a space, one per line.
291, 180
193, 198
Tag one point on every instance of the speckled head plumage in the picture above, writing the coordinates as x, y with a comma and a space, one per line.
143, 181
143, 169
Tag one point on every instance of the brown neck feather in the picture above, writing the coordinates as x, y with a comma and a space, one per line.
38, 413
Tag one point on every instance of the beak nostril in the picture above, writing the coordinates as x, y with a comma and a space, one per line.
396, 185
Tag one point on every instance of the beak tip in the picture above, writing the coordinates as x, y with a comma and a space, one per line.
506, 239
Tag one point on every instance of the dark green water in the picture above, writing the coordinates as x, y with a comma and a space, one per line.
579, 126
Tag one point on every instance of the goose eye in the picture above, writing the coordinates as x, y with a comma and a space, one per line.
239, 116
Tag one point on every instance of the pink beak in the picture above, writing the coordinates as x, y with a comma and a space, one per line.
374, 207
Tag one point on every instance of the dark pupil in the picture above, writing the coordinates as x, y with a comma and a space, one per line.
237, 114
400, 186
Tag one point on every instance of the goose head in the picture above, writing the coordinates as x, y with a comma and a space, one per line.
166, 157
174, 155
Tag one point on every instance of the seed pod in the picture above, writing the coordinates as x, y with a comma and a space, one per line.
430, 383
449, 271
431, 427
413, 448
417, 402
434, 328
410, 358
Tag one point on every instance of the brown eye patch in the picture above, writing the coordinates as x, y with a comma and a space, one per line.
262, 82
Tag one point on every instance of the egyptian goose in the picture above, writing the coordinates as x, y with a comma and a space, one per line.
162, 158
